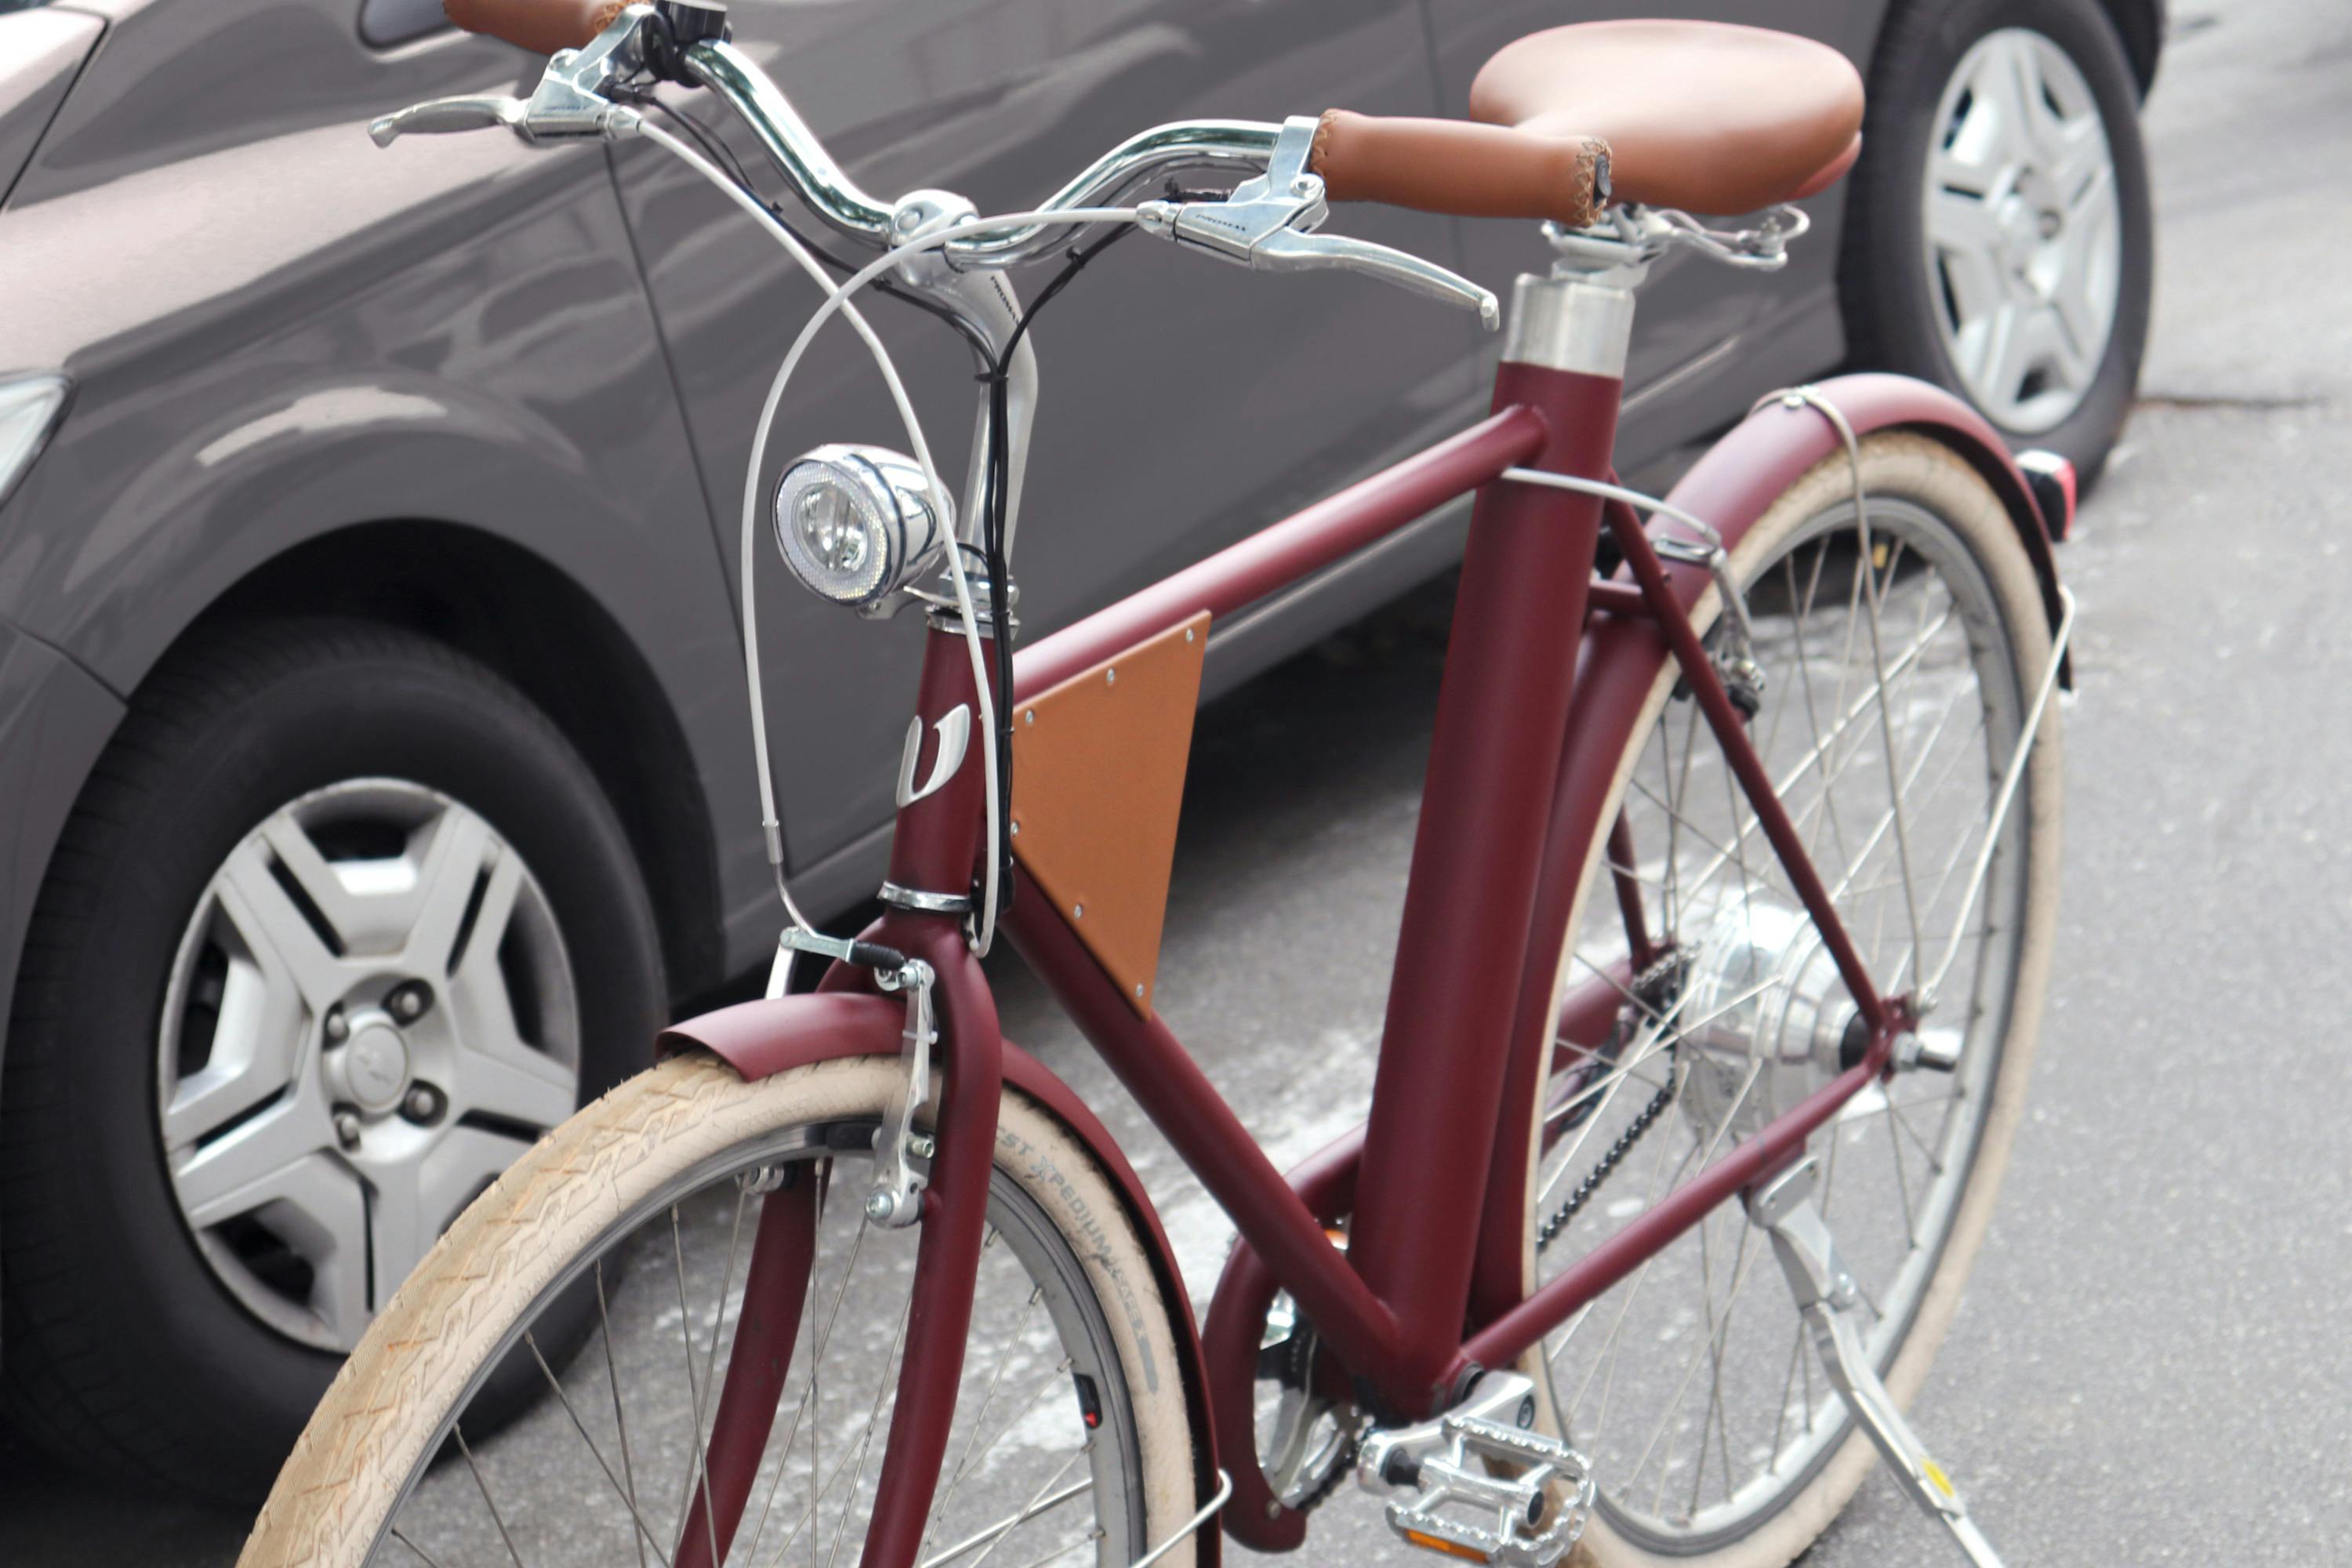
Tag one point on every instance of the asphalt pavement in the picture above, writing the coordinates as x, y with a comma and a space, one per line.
2152, 1365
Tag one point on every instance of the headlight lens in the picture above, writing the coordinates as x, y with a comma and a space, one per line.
856, 523
28, 412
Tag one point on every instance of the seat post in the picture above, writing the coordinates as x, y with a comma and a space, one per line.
1580, 316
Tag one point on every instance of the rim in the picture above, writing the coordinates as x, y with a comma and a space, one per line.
2024, 229
371, 1015
614, 1448
1692, 1387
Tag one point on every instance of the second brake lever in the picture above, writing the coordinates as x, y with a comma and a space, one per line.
1293, 247
1267, 224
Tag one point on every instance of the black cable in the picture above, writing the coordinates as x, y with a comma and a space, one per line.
995, 496
724, 158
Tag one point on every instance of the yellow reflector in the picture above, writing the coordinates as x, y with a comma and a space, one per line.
1935, 1473
1451, 1549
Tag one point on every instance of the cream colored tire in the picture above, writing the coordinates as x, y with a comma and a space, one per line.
1916, 467
388, 1412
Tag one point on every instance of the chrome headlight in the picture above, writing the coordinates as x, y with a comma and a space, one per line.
858, 523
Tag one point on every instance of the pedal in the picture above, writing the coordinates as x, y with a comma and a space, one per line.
1826, 1295
1481, 1483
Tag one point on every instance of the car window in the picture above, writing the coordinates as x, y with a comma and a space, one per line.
382, 23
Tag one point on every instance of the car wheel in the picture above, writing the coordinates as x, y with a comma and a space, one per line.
340, 926
1999, 239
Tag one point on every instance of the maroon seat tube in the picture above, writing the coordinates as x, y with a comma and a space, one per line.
1502, 717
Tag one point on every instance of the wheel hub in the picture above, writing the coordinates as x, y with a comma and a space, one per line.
1776, 1022
373, 1071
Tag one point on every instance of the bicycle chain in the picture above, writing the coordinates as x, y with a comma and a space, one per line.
1301, 1355
1320, 1492
1609, 1160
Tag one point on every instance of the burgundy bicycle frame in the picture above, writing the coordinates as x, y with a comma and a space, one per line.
1548, 670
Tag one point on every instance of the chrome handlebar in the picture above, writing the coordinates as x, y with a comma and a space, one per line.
1265, 225
838, 201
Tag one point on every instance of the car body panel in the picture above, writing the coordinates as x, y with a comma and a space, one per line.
54, 717
290, 334
40, 54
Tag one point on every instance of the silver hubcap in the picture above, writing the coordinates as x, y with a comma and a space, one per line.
2024, 229
369, 1017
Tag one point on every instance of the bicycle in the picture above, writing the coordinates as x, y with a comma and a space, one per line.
1797, 728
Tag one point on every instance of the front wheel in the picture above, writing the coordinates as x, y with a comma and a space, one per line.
1071, 1443
1900, 661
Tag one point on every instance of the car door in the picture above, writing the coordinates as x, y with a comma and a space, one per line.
1184, 403
1707, 337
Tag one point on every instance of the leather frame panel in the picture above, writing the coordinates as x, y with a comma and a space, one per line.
1097, 785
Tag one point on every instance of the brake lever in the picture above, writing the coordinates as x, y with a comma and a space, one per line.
1267, 224
568, 102
445, 115
1290, 248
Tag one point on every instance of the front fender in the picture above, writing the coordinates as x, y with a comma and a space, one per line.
760, 1039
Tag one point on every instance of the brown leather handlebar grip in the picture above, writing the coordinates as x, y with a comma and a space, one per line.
1460, 167
543, 26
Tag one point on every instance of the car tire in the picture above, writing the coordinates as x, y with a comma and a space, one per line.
130, 1343
2046, 238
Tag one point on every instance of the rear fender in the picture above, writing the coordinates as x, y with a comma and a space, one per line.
760, 1039
1731, 487
1746, 471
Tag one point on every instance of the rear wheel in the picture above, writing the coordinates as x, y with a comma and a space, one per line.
1898, 670
1071, 1443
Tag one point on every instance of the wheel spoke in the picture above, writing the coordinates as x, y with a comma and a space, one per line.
643, 1532
620, 1423
487, 1501
1885, 650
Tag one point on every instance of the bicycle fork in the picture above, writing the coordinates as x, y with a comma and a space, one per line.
1826, 1296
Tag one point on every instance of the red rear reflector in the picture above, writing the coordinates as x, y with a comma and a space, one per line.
2052, 478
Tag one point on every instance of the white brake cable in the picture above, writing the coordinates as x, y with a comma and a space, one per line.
837, 297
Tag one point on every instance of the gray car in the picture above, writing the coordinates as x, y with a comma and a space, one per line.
372, 776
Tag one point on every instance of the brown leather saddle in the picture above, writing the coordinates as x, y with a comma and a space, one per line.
1703, 116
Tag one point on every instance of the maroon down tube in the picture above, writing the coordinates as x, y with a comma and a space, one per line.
775, 1286
1502, 714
